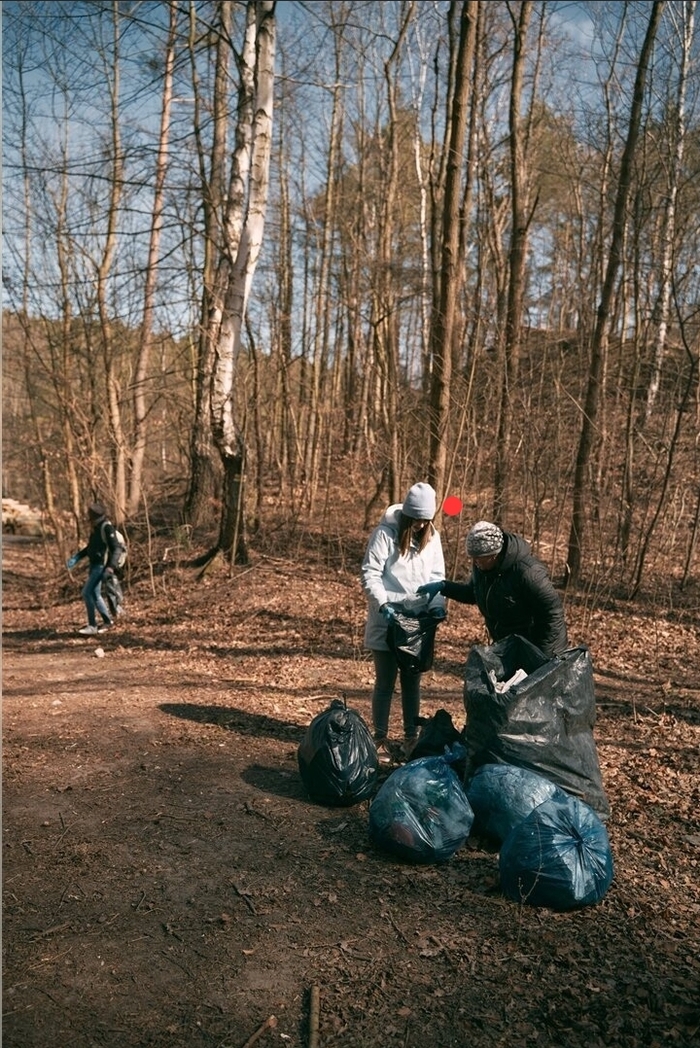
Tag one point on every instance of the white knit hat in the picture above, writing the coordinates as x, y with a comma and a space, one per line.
484, 539
420, 503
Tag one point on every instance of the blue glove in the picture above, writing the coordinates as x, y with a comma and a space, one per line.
388, 612
72, 561
431, 589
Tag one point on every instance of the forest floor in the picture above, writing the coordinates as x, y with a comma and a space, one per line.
167, 881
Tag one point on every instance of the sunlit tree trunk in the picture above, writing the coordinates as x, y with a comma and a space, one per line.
284, 430
115, 176
315, 432
521, 216
244, 229
601, 333
28, 354
384, 319
140, 399
677, 147
444, 321
212, 176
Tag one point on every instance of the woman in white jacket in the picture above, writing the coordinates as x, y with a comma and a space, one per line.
403, 552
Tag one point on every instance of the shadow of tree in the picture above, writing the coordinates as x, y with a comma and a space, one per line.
233, 719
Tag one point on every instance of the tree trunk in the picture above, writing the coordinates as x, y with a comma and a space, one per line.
451, 263
600, 335
245, 223
203, 477
140, 400
112, 383
520, 221
675, 173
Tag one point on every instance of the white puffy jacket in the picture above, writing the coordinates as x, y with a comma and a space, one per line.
387, 576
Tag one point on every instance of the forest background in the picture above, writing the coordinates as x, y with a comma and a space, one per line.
264, 266
265, 262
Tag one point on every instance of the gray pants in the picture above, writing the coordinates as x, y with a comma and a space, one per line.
386, 670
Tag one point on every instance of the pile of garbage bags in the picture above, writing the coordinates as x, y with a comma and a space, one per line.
543, 722
523, 773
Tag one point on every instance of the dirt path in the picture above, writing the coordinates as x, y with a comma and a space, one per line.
167, 882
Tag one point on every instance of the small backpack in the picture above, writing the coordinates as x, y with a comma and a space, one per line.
121, 542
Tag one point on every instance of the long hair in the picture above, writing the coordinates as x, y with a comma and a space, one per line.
405, 534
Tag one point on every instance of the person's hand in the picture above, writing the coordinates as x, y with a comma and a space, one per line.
72, 561
109, 571
388, 612
431, 589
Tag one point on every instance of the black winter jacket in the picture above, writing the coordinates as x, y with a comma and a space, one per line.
516, 596
101, 550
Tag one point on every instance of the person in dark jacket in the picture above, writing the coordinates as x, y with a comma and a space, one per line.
511, 588
102, 552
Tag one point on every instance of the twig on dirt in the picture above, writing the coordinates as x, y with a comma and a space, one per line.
246, 898
254, 811
395, 926
65, 830
269, 1024
43, 933
177, 964
314, 1009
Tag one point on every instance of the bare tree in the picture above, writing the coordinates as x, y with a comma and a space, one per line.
521, 216
444, 325
600, 335
245, 220
675, 165
212, 180
140, 399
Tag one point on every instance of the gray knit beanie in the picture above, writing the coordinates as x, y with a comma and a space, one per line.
420, 503
484, 539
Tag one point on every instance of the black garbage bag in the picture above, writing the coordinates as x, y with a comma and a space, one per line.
543, 723
502, 795
559, 856
421, 812
438, 734
337, 757
412, 639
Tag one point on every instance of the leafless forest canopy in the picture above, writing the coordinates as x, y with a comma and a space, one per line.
266, 264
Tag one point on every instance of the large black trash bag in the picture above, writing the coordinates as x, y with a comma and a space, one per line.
337, 757
543, 723
421, 812
412, 638
559, 856
502, 795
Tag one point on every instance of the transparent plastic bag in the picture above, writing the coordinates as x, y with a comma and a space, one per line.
421, 812
559, 856
502, 795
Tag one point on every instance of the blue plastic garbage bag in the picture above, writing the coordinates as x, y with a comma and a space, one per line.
502, 795
559, 856
543, 722
421, 812
337, 758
